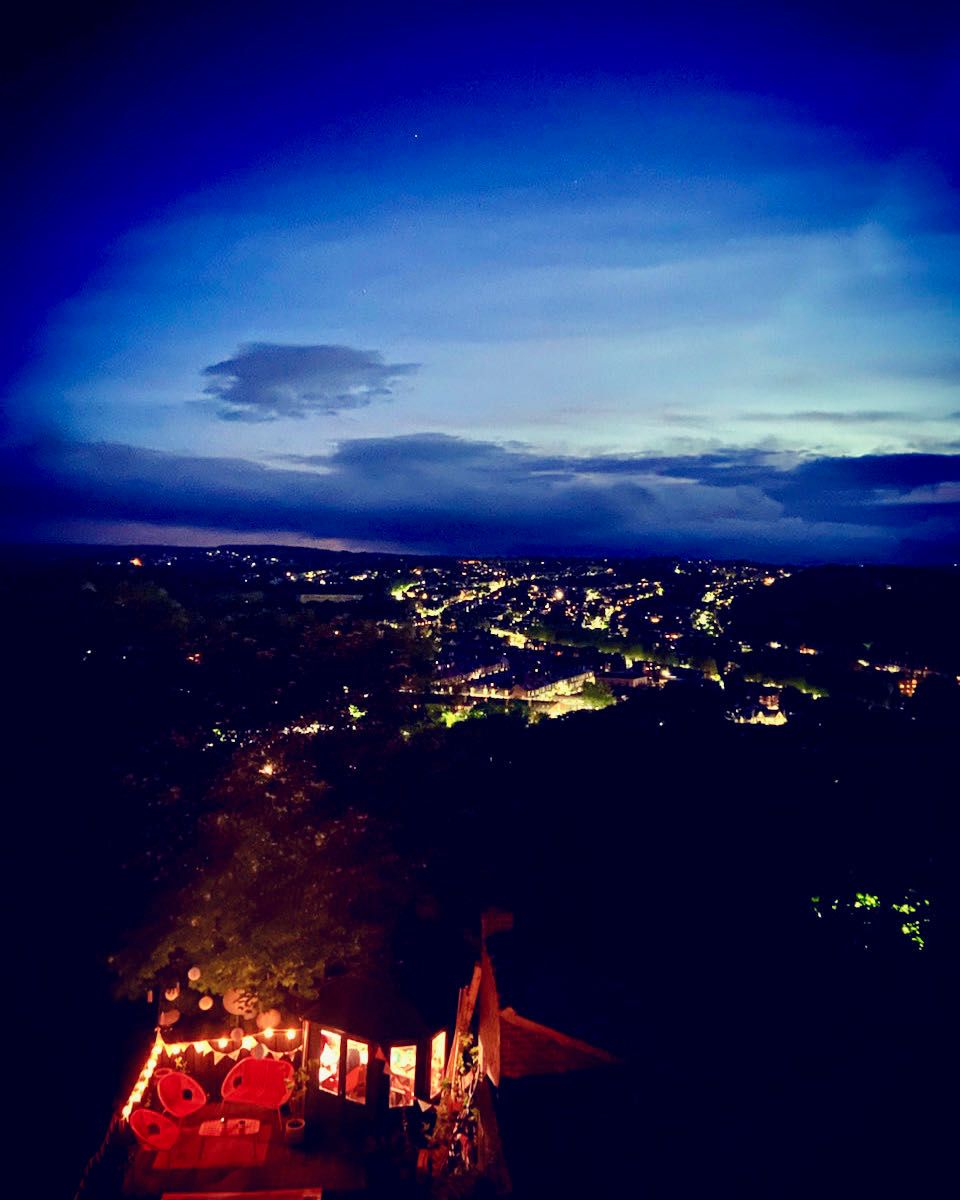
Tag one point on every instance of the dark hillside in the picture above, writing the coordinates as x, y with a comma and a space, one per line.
884, 614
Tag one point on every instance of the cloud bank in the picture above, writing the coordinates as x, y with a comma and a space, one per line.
432, 493
264, 381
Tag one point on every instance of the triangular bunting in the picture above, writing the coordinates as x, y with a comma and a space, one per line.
424, 1104
234, 1054
217, 1056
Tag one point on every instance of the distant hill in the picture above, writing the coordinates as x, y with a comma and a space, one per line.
885, 614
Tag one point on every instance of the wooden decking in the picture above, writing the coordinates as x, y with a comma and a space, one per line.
260, 1162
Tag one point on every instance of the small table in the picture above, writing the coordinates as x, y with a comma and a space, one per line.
234, 1127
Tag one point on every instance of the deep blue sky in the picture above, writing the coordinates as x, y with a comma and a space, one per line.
492, 278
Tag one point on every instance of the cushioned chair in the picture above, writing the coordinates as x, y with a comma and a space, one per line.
263, 1082
155, 1130
180, 1095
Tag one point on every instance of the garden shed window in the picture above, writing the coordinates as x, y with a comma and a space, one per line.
403, 1070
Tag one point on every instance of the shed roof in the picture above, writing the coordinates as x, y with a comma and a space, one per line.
527, 1048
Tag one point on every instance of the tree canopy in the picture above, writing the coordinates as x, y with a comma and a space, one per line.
278, 890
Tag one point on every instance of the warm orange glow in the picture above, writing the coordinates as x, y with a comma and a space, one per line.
403, 1070
201, 1047
136, 562
358, 1055
204, 1046
328, 1076
438, 1058
143, 1079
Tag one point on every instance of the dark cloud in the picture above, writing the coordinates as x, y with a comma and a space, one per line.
434, 493
862, 417
264, 381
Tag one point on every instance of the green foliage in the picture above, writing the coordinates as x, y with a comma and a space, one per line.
563, 634
597, 695
278, 889
871, 911
798, 682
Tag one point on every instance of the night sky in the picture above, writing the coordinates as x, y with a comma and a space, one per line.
485, 278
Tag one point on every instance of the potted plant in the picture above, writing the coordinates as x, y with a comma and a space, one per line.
295, 1125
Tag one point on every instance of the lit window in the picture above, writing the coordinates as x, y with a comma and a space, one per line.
329, 1074
438, 1055
358, 1055
403, 1067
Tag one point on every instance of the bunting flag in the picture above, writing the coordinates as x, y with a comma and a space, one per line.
234, 1054
217, 1056
203, 1048
424, 1104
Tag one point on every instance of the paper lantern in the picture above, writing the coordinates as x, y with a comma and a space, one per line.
206, 1003
269, 1019
259, 1051
170, 1017
172, 992
193, 974
240, 1003
236, 1036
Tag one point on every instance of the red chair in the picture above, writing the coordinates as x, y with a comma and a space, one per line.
180, 1095
154, 1130
264, 1082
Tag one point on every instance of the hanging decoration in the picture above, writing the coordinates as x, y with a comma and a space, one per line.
238, 1002
193, 974
173, 1050
206, 1003
238, 1039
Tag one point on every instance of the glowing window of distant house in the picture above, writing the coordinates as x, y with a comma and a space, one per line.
438, 1054
403, 1069
329, 1074
358, 1055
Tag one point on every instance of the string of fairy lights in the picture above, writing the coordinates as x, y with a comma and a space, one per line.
221, 1045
